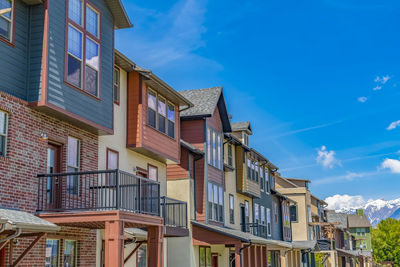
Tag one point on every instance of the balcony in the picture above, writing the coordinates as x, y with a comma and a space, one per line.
255, 229
174, 213
98, 191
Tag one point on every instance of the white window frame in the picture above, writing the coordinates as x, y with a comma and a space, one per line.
5, 134
10, 36
269, 225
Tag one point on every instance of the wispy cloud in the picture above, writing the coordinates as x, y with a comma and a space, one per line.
377, 88
362, 99
327, 158
382, 80
348, 176
392, 164
308, 129
393, 125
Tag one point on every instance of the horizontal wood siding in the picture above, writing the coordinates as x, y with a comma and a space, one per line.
66, 97
193, 132
215, 121
179, 171
35, 53
253, 188
200, 191
239, 168
14, 60
215, 175
157, 141
134, 110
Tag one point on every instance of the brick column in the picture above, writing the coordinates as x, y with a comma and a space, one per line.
155, 256
114, 244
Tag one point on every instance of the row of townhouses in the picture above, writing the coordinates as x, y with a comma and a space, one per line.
102, 163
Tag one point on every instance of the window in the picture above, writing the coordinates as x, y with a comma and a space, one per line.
3, 133
363, 231
52, 247
309, 214
205, 256
210, 200
231, 209
70, 249
364, 244
73, 165
262, 215
83, 47
171, 120
230, 155
153, 172
6, 19
256, 213
112, 159
269, 222
142, 256
246, 216
267, 187
248, 168
215, 201
256, 170
214, 149
245, 137
293, 213
160, 114
220, 204
276, 211
358, 231
271, 181
262, 180
116, 85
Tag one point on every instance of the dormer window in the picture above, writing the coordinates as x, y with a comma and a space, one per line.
245, 138
83, 47
6, 19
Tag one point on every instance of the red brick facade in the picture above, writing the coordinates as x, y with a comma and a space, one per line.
27, 157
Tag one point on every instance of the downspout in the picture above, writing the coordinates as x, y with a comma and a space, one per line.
16, 234
243, 248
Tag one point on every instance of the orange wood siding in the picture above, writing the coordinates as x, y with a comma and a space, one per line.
134, 110
179, 171
139, 134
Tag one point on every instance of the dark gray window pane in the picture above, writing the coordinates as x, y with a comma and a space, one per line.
161, 123
91, 81
74, 71
2, 146
171, 129
5, 28
151, 117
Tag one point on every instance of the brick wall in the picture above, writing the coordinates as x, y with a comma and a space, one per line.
27, 157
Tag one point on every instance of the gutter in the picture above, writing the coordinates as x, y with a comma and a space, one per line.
16, 234
243, 248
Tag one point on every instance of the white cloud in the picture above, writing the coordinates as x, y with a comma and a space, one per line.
393, 125
338, 202
384, 79
352, 175
392, 164
362, 99
327, 158
377, 88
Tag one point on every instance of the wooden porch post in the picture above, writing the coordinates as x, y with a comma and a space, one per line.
114, 244
253, 256
237, 254
155, 256
282, 254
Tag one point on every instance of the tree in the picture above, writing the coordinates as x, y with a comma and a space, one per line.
386, 242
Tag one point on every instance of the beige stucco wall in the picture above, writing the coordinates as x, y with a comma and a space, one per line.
300, 229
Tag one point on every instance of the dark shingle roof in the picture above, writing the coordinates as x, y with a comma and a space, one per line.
341, 218
358, 221
204, 100
241, 126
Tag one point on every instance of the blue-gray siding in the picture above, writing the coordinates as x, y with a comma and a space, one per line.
66, 97
277, 227
13, 60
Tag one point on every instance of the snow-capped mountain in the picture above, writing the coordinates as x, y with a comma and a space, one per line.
377, 210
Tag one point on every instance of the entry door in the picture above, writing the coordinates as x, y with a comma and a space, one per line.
214, 260
243, 218
52, 183
3, 257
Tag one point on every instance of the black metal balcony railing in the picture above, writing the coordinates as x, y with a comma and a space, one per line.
256, 229
98, 190
174, 212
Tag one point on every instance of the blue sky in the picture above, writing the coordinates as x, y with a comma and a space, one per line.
319, 79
